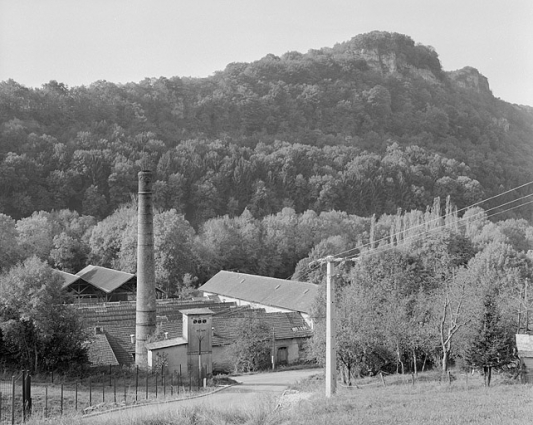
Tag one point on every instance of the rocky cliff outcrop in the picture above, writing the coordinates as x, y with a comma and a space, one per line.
470, 78
393, 53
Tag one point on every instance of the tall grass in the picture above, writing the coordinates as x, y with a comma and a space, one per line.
427, 401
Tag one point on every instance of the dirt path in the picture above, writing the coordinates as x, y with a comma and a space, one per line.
253, 390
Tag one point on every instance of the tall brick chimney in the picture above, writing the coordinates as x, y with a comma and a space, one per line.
145, 311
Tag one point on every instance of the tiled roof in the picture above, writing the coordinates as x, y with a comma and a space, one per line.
287, 294
118, 322
285, 325
100, 352
103, 278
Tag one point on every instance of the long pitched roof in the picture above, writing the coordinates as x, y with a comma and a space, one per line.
68, 278
287, 294
103, 278
285, 325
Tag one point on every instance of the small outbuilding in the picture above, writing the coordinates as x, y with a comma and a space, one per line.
193, 351
524, 345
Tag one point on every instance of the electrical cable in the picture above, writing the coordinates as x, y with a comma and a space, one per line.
391, 247
440, 218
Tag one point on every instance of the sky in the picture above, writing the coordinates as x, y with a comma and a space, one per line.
78, 42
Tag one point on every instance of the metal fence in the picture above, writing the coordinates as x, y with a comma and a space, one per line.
22, 395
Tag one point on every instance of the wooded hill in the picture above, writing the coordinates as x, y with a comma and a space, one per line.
367, 126
265, 168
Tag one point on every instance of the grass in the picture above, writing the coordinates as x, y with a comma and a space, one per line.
427, 402
399, 402
46, 397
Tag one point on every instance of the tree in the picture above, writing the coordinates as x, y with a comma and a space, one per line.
35, 235
251, 348
173, 246
68, 253
453, 310
9, 247
492, 346
105, 239
41, 331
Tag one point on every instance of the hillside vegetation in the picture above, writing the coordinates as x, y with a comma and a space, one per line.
367, 150
367, 126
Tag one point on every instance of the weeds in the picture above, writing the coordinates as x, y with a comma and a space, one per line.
428, 401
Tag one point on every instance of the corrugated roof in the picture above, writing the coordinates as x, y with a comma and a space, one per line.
287, 294
103, 278
166, 343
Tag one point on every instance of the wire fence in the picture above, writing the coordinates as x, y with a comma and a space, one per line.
22, 395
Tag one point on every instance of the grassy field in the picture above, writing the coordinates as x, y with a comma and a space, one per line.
428, 401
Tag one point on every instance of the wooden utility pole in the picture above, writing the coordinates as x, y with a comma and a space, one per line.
331, 352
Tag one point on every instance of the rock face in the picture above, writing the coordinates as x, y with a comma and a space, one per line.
391, 63
470, 78
396, 54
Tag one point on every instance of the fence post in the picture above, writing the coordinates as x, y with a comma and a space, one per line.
90, 393
156, 385
28, 395
0, 407
46, 401
13, 401
23, 396
76, 398
164, 388
61, 398
103, 392
114, 390
136, 381
125, 392
147, 386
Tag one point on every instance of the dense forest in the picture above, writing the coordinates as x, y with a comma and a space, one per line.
368, 150
367, 126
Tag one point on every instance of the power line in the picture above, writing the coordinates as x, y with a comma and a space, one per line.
440, 218
391, 247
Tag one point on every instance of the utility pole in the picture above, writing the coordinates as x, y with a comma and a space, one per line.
331, 352
199, 361
273, 349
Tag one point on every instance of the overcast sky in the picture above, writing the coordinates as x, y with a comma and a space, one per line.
81, 41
